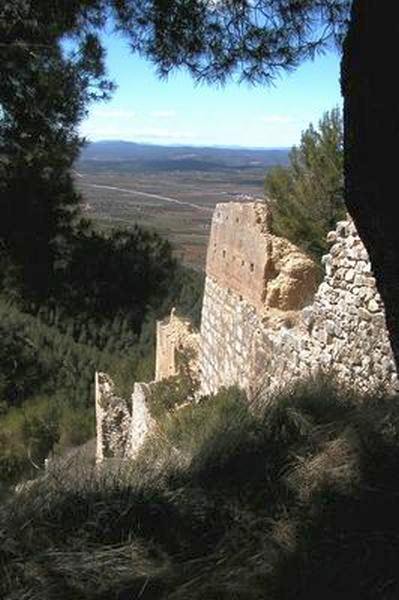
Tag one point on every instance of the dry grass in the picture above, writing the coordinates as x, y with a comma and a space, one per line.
300, 502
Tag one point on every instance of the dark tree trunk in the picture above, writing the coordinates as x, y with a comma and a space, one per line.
370, 74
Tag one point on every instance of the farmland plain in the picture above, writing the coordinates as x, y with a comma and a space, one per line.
170, 189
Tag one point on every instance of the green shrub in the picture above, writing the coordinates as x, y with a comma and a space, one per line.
27, 434
41, 366
75, 427
175, 391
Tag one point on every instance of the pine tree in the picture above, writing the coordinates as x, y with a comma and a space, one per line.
307, 196
44, 94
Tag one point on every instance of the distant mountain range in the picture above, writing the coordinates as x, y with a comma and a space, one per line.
153, 157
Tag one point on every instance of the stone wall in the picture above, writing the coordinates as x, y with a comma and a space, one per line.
142, 422
265, 324
174, 335
121, 430
244, 257
113, 420
341, 331
122, 426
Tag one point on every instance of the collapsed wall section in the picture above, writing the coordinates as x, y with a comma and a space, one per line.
113, 420
120, 429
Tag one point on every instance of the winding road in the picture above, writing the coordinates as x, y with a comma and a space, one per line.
148, 195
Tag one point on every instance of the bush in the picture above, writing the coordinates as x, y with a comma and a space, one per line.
177, 390
75, 427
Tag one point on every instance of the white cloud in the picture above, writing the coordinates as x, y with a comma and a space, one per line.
163, 114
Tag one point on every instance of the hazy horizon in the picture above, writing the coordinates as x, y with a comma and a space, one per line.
186, 144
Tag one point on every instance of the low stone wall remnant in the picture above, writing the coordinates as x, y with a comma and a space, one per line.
113, 420
174, 335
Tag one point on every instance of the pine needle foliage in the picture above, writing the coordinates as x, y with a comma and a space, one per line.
307, 196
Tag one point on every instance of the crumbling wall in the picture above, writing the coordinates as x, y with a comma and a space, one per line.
341, 331
265, 327
142, 422
246, 258
113, 420
346, 322
120, 432
122, 427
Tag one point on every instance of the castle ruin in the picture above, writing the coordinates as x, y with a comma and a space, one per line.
266, 323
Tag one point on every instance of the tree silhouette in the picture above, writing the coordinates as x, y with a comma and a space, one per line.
44, 94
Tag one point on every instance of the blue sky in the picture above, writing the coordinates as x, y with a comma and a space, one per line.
178, 111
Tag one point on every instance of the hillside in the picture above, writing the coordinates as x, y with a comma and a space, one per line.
152, 157
48, 359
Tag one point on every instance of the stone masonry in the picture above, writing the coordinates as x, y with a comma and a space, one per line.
265, 323
123, 426
121, 429
113, 419
291, 334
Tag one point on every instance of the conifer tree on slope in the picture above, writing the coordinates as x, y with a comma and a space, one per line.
44, 93
307, 196
219, 39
